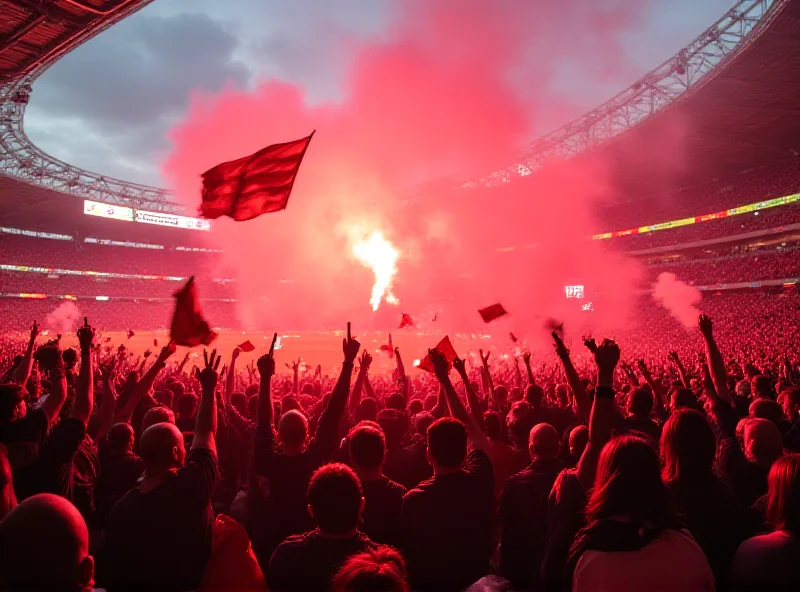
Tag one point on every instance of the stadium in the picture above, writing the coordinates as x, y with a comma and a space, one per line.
621, 412
120, 250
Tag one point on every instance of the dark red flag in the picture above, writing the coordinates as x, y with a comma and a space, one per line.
130, 333
446, 349
490, 313
406, 321
246, 347
188, 326
257, 184
155, 342
513, 337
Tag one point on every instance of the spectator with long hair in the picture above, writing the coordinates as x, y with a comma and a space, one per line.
632, 539
769, 561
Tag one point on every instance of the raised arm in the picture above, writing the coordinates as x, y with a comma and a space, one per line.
265, 409
472, 398
601, 422
401, 373
457, 409
526, 357
50, 361
295, 368
715, 362
327, 433
23, 371
84, 390
205, 425
145, 383
230, 378
657, 387
363, 369
573, 379
488, 375
109, 400
675, 359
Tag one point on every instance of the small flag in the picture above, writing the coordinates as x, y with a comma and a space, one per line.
188, 326
244, 189
130, 333
246, 346
446, 349
435, 316
406, 321
513, 337
490, 313
155, 342
107, 339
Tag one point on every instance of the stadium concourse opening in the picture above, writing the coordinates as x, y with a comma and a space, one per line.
458, 357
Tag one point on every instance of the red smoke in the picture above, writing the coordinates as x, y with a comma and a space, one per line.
451, 86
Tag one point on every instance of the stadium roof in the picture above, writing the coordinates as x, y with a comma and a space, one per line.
34, 33
745, 116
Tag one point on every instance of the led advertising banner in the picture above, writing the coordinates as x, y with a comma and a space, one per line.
172, 220
94, 208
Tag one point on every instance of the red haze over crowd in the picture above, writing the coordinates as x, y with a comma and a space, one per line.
449, 87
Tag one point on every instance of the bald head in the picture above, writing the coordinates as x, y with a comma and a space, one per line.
543, 441
45, 546
762, 442
292, 429
578, 439
157, 415
162, 448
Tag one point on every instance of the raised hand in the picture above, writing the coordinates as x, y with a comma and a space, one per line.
558, 343
440, 366
266, 363
109, 368
34, 331
208, 375
147, 353
526, 356
485, 359
606, 358
236, 352
295, 366
85, 336
350, 347
460, 366
705, 324
366, 360
590, 344
167, 351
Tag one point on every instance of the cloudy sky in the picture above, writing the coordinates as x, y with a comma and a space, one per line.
107, 105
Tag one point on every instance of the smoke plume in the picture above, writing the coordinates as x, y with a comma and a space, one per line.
450, 87
64, 318
678, 297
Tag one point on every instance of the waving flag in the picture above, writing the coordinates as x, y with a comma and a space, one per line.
446, 349
257, 184
188, 326
406, 321
388, 348
490, 313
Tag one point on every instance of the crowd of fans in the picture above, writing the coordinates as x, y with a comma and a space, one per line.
744, 267
768, 182
667, 459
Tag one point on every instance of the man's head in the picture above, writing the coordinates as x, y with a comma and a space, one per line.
292, 430
120, 438
447, 444
396, 401
414, 406
766, 409
422, 422
162, 448
367, 409
335, 499
790, 402
45, 546
762, 442
367, 448
682, 398
187, 405
543, 442
761, 386
157, 415
578, 439
12, 403
164, 397
534, 395
640, 403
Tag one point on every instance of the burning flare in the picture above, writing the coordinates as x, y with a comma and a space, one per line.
380, 256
